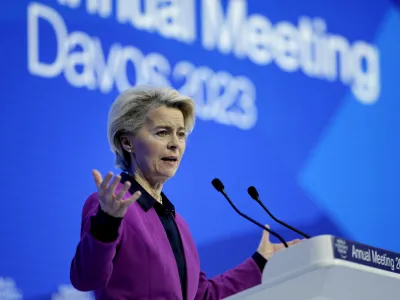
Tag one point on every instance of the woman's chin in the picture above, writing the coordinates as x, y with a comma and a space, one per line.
167, 173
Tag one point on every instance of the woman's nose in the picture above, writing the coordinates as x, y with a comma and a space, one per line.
172, 146
173, 143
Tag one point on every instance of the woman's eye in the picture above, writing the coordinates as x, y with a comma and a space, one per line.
182, 134
162, 133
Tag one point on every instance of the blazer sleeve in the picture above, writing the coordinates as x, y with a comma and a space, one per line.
92, 264
244, 276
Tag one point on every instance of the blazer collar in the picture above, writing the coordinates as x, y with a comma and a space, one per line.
146, 200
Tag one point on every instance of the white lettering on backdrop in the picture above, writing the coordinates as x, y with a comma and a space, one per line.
219, 95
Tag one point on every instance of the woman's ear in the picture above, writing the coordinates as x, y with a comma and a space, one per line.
126, 144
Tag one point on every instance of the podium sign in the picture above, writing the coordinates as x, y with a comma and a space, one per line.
329, 268
366, 255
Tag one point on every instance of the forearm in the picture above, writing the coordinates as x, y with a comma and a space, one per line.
92, 265
244, 276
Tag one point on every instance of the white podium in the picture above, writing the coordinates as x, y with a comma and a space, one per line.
328, 268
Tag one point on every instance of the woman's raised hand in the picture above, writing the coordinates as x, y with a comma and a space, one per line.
110, 202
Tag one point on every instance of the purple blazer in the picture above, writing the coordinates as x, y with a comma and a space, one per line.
140, 264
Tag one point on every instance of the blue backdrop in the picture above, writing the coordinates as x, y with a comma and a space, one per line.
298, 98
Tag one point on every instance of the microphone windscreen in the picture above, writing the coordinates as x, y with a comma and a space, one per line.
218, 185
252, 192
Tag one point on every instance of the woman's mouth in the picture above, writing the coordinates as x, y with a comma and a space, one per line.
170, 160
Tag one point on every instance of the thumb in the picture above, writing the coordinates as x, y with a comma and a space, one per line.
266, 233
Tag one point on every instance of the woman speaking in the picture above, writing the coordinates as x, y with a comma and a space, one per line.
133, 244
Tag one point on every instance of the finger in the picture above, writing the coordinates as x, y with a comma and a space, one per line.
120, 195
281, 246
106, 181
97, 177
113, 185
132, 199
294, 242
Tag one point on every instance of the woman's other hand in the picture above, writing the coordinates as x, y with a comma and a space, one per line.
113, 203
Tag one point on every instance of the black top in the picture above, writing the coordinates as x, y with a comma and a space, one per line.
105, 227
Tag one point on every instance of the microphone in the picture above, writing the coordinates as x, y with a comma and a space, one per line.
219, 186
254, 194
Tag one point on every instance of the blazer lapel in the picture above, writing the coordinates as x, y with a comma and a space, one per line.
191, 258
161, 239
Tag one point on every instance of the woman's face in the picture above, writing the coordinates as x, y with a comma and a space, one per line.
159, 145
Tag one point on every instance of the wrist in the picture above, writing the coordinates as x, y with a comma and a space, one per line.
266, 254
104, 227
260, 260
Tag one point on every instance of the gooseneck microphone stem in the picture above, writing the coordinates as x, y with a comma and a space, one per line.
281, 222
254, 194
251, 220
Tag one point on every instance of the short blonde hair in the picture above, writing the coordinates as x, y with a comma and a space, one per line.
129, 111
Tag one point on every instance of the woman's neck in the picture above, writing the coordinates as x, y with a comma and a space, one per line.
153, 189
